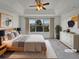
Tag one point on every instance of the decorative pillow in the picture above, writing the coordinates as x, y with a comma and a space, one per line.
12, 34
9, 36
15, 33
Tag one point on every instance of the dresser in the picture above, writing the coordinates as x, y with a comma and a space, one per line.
70, 39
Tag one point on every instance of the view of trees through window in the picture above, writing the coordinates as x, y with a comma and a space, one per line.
40, 25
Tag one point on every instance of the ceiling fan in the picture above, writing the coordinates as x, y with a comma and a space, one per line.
39, 5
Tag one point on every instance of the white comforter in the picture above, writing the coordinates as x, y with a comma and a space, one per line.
28, 42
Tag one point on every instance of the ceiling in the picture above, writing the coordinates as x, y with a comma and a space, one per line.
56, 7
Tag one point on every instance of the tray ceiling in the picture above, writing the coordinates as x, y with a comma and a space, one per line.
56, 7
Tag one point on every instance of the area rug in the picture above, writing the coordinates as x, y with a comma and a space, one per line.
50, 54
70, 50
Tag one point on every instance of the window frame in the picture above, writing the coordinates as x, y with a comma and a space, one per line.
41, 25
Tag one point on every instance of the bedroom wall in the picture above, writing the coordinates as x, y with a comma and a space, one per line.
66, 17
15, 21
22, 24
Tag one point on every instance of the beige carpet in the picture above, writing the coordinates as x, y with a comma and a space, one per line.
50, 53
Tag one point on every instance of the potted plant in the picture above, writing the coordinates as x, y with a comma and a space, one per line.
58, 29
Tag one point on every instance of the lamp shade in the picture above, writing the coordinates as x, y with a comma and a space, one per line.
2, 32
18, 29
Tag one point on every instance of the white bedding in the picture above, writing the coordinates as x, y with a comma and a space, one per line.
27, 42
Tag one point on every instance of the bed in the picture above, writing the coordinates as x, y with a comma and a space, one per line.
27, 43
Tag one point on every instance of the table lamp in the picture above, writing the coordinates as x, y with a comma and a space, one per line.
18, 29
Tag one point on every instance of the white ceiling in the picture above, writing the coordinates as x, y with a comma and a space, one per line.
56, 7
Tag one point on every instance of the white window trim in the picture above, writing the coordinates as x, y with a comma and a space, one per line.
43, 28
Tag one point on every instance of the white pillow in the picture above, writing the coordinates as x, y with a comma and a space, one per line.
12, 34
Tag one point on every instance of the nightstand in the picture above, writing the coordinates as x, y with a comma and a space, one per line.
2, 49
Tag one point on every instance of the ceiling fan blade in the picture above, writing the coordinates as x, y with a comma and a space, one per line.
44, 8
38, 1
46, 4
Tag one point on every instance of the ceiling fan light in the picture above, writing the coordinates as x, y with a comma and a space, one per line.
39, 8
40, 5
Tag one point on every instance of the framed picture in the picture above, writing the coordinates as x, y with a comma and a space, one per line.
6, 20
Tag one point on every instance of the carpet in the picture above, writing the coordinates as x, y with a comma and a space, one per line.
50, 54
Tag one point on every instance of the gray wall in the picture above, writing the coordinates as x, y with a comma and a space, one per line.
22, 24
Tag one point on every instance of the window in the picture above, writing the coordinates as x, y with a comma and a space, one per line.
40, 25
46, 25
